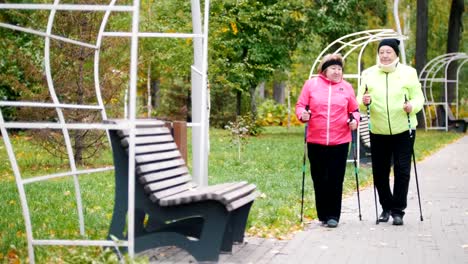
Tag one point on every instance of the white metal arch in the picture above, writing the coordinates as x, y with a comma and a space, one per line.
350, 43
431, 73
199, 111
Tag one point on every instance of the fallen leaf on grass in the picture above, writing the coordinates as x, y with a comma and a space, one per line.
13, 257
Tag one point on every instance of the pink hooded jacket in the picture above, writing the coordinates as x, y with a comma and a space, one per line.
330, 104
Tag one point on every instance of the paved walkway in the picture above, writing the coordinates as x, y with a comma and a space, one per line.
441, 238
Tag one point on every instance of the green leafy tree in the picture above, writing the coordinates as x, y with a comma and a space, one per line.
167, 60
72, 74
332, 19
250, 40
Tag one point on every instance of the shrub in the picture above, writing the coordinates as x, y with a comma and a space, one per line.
272, 114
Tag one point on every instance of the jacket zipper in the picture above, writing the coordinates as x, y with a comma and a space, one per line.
328, 113
388, 111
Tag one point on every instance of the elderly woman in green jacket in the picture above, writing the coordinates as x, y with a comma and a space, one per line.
392, 92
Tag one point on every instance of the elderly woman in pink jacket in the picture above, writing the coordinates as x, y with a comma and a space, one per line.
327, 103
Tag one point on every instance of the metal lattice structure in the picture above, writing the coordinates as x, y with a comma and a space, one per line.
199, 109
351, 43
436, 71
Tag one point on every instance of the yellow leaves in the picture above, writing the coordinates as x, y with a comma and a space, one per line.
19, 234
67, 193
109, 216
234, 28
281, 233
296, 15
13, 257
95, 209
12, 202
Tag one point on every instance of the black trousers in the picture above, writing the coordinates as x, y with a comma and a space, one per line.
385, 149
327, 168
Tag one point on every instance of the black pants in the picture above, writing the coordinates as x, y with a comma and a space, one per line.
385, 149
327, 167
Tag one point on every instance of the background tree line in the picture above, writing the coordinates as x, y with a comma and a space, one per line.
258, 51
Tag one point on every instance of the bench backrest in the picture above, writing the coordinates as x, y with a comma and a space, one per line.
159, 164
364, 133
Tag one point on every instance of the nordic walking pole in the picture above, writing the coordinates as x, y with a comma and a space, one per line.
304, 164
414, 162
375, 193
353, 137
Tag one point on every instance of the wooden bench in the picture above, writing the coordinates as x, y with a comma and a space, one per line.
364, 139
453, 123
169, 208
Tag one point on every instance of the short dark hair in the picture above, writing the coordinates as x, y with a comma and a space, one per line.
330, 59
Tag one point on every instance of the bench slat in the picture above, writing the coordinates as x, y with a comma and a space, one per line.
205, 193
155, 157
148, 140
157, 196
236, 194
230, 188
145, 131
160, 185
155, 148
243, 201
142, 169
161, 175
192, 195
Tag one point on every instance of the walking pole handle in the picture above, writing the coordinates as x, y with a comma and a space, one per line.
409, 120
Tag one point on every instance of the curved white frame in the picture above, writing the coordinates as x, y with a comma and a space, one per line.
199, 102
431, 74
356, 41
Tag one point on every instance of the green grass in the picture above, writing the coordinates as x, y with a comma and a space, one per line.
273, 161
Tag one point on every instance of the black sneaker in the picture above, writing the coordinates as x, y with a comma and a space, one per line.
384, 216
332, 223
397, 220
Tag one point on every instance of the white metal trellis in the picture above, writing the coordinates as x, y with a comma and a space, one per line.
199, 111
432, 73
355, 42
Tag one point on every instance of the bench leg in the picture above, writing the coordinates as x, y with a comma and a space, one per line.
206, 248
239, 222
211, 240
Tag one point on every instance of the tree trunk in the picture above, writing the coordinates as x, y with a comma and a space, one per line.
155, 95
148, 91
238, 102
421, 34
253, 103
278, 91
453, 43
261, 90
78, 147
421, 45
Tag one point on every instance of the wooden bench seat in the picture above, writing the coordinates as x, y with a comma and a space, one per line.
202, 220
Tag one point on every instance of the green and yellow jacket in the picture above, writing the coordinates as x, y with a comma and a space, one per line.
387, 91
